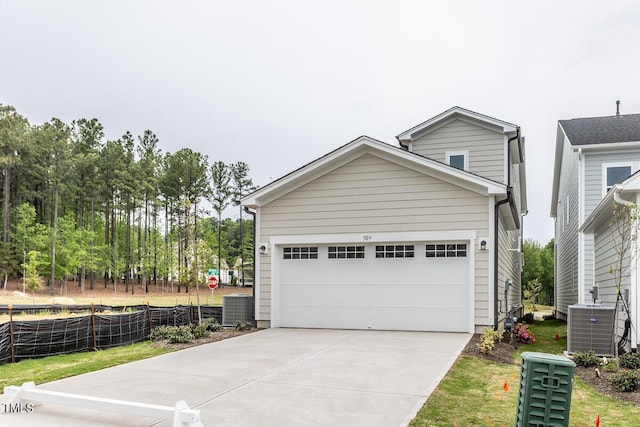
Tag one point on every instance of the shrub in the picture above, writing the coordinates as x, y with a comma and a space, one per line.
212, 325
182, 334
630, 360
175, 334
488, 340
527, 318
243, 326
200, 331
587, 359
161, 333
625, 380
522, 333
609, 365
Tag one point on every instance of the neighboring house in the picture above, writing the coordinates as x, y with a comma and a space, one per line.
616, 251
421, 236
592, 155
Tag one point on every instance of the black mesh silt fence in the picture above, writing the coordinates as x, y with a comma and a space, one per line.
32, 339
113, 330
5, 343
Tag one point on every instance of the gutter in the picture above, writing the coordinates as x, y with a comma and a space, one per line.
255, 281
496, 216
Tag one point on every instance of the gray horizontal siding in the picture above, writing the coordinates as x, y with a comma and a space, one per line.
607, 258
486, 147
374, 195
566, 233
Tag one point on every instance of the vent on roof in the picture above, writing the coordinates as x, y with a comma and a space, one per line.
617, 108
591, 327
237, 308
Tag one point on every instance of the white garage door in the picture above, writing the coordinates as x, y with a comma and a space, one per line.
421, 286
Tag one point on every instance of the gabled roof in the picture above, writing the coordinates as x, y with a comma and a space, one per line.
366, 145
425, 127
602, 130
593, 133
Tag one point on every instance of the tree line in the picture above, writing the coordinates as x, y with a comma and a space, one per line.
538, 272
75, 205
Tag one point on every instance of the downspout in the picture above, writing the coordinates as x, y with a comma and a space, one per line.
496, 217
253, 288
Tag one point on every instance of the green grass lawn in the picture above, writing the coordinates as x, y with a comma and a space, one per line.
477, 392
54, 368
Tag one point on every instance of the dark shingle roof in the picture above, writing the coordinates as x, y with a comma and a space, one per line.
602, 130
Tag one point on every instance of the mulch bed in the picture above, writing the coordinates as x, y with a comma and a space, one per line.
215, 336
599, 381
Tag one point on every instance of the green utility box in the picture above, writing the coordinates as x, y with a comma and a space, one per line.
544, 396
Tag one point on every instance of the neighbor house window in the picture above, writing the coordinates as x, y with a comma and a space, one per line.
613, 174
346, 252
300, 253
458, 159
395, 251
446, 250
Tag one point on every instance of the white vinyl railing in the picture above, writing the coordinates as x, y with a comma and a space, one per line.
182, 415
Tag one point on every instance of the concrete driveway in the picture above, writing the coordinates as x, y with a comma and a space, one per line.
274, 377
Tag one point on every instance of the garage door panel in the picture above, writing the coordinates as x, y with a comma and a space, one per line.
374, 295
419, 293
381, 318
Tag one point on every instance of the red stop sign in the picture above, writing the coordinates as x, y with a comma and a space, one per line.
213, 282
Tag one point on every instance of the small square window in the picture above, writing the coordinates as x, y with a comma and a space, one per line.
616, 174
458, 159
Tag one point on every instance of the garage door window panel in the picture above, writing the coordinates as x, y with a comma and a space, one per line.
395, 251
346, 252
446, 250
300, 253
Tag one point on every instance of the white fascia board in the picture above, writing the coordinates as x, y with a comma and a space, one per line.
557, 168
606, 146
408, 134
363, 145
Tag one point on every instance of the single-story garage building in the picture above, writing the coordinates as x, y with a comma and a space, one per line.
423, 236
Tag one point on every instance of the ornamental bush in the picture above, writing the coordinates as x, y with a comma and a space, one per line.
625, 380
200, 331
522, 333
212, 325
488, 340
630, 360
586, 359
182, 334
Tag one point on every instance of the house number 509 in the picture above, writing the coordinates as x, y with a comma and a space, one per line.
366, 238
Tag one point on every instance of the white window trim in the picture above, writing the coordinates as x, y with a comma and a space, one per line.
464, 153
606, 166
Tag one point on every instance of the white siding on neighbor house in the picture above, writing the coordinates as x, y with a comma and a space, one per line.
607, 257
593, 194
374, 195
508, 268
486, 147
566, 233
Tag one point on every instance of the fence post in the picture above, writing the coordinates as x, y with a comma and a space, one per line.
191, 314
11, 339
149, 316
93, 327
